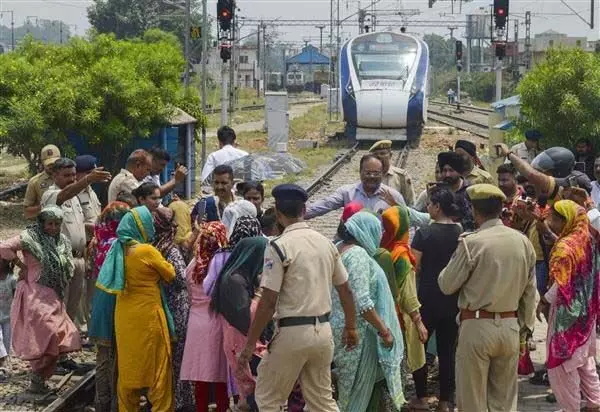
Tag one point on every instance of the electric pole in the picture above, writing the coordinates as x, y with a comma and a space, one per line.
186, 45
527, 40
204, 74
257, 70
232, 64
320, 27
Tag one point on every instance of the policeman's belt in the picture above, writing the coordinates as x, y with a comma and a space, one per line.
303, 320
484, 314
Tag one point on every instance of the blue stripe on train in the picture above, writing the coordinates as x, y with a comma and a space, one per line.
348, 100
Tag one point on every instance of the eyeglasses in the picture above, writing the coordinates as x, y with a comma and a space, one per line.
372, 174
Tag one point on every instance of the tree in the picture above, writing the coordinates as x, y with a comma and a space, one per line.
132, 18
561, 97
104, 89
441, 52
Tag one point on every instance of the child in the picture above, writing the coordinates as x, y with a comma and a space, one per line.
8, 284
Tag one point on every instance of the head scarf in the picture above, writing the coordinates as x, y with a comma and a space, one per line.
575, 268
350, 209
395, 239
234, 288
236, 210
244, 227
366, 229
212, 237
137, 226
166, 229
105, 232
53, 252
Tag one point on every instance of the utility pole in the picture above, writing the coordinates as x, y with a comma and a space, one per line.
320, 27
258, 60
232, 64
12, 27
60, 30
264, 70
186, 46
204, 74
516, 48
527, 40
224, 94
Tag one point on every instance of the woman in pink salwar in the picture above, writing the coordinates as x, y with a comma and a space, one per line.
41, 328
574, 302
234, 297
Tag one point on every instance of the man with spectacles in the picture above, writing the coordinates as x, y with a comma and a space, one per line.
370, 191
394, 177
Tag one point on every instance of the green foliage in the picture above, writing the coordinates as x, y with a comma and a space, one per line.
106, 90
132, 18
441, 52
479, 86
561, 97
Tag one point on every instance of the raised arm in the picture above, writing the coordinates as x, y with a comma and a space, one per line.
540, 181
325, 205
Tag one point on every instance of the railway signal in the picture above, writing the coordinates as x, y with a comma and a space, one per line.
500, 50
225, 11
500, 13
459, 53
225, 52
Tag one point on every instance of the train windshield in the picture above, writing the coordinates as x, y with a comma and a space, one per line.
384, 56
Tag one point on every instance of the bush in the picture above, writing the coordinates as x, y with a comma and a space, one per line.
561, 97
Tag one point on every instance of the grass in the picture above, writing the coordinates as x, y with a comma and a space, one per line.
239, 117
314, 125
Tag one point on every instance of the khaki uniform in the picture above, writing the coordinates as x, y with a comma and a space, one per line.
304, 280
478, 176
399, 179
125, 181
73, 228
36, 187
493, 269
524, 153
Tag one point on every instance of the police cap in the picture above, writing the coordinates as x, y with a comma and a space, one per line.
381, 145
484, 191
289, 191
85, 163
50, 154
533, 134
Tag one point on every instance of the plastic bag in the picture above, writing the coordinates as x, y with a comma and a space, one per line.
264, 166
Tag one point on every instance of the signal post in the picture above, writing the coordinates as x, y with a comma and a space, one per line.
500, 17
225, 35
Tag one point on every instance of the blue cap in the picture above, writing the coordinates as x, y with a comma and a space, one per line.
289, 191
85, 163
533, 134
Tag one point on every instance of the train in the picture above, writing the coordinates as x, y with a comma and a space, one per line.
383, 86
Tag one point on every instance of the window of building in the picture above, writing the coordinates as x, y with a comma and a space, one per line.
243, 59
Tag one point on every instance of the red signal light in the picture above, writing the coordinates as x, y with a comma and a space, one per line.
500, 12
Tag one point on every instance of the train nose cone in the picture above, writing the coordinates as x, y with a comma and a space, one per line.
382, 109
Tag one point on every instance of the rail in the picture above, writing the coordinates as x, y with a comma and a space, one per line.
82, 393
473, 109
319, 181
262, 106
461, 123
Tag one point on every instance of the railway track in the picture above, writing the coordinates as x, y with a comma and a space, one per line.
342, 172
460, 122
451, 106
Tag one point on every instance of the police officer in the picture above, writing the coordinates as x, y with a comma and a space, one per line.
87, 197
394, 177
300, 268
493, 272
474, 173
39, 183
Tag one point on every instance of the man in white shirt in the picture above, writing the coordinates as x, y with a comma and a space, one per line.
226, 153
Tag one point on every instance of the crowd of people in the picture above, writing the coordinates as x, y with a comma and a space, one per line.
230, 303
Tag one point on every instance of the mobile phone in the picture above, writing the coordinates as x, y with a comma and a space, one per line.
201, 210
498, 150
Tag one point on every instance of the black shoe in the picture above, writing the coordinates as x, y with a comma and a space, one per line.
540, 378
551, 398
68, 364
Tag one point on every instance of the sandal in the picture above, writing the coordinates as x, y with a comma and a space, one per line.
540, 378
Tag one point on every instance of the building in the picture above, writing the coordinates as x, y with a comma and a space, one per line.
549, 39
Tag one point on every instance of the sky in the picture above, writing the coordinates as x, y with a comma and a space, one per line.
550, 14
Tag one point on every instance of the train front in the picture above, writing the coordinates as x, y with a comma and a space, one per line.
383, 86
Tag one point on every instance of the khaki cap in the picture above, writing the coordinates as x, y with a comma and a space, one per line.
484, 191
49, 155
381, 145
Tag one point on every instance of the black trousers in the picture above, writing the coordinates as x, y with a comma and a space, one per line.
443, 323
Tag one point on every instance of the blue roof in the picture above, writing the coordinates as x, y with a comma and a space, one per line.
510, 101
310, 55
505, 125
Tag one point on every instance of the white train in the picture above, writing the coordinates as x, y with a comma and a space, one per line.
383, 86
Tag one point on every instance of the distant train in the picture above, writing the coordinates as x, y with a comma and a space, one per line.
384, 86
295, 81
